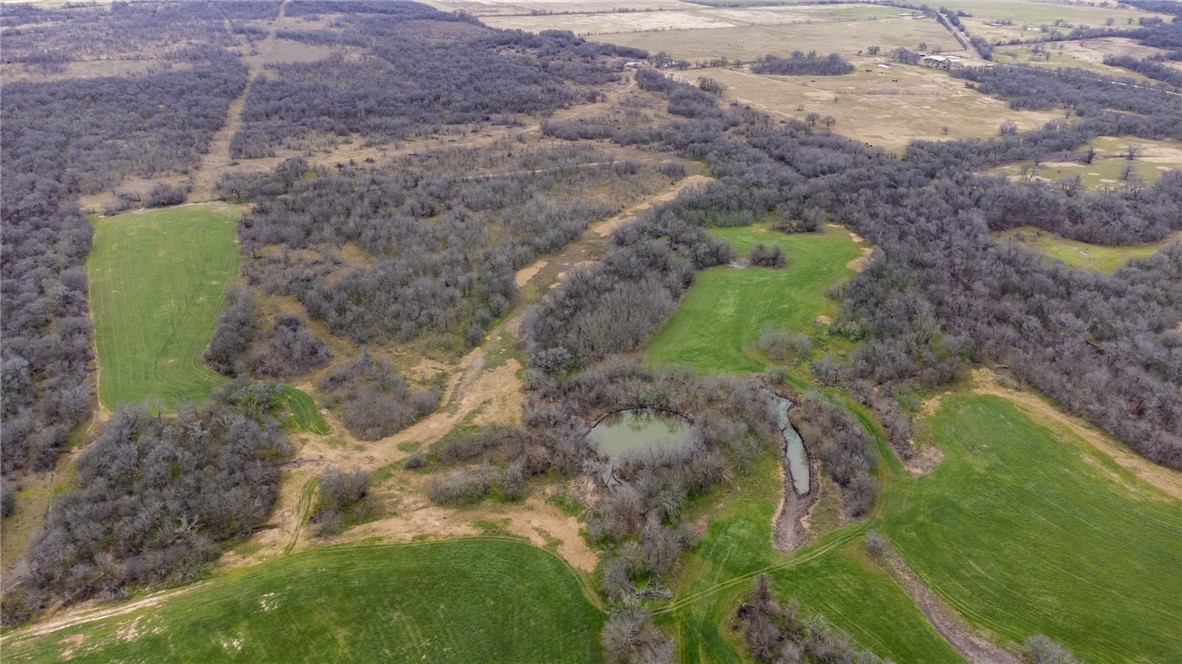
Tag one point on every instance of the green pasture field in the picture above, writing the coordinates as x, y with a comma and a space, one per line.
1095, 257
830, 576
469, 600
717, 325
1022, 531
158, 281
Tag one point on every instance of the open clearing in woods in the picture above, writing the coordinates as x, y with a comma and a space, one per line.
1152, 159
882, 102
158, 281
717, 325
1096, 257
468, 600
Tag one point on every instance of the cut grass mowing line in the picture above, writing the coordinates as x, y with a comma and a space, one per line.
303, 408
471, 600
303, 512
717, 325
158, 281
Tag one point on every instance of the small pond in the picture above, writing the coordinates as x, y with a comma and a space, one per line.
798, 460
640, 431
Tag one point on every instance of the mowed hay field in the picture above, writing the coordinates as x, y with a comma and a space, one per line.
717, 325
884, 106
158, 281
1023, 530
474, 600
1095, 257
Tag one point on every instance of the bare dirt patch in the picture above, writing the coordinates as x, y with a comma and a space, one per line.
541, 524
947, 622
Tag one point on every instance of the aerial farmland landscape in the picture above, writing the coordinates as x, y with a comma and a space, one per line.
625, 331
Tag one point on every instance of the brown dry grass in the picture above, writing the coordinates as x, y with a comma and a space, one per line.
885, 107
751, 41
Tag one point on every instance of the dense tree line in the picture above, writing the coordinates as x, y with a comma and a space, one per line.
91, 133
1116, 106
801, 64
1150, 68
154, 501
846, 451
779, 634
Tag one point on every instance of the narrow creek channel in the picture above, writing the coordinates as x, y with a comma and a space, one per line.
798, 459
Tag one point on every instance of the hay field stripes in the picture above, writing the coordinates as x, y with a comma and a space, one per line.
304, 410
158, 281
429, 600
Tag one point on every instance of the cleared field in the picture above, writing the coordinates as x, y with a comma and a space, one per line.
717, 325
1029, 18
158, 280
750, 42
1084, 54
1153, 158
886, 106
475, 600
1095, 257
693, 17
1023, 531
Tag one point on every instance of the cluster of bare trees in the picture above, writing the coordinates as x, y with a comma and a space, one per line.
341, 499
408, 84
49, 39
801, 64
778, 634
242, 346
154, 500
375, 400
446, 280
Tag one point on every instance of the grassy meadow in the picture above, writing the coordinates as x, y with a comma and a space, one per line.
471, 600
158, 281
1095, 257
717, 325
1023, 531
